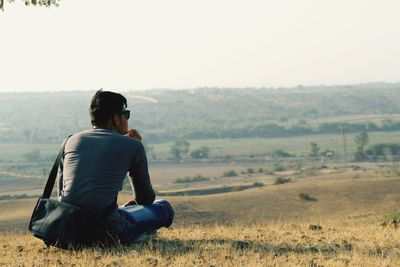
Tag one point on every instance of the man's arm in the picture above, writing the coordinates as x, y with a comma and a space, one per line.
140, 179
60, 178
60, 171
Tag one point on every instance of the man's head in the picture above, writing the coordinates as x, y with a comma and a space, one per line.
108, 109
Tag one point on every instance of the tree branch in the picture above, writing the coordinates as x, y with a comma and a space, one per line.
45, 3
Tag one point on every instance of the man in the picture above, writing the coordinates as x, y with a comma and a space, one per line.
95, 164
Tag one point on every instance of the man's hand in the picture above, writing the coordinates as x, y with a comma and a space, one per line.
134, 133
130, 203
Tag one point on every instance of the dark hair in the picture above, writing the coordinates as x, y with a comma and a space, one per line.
105, 105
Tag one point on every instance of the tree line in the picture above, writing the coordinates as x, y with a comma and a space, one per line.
206, 113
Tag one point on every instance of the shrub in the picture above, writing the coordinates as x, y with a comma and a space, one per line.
279, 153
307, 197
277, 167
258, 184
360, 156
386, 149
191, 179
314, 149
394, 216
282, 180
201, 153
260, 170
230, 173
250, 170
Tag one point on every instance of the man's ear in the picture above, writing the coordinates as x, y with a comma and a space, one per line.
116, 120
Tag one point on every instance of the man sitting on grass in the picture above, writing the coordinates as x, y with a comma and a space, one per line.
95, 164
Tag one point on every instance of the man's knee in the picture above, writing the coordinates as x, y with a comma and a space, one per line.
167, 210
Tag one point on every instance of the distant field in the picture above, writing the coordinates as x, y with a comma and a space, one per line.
293, 145
15, 152
13, 175
241, 147
162, 174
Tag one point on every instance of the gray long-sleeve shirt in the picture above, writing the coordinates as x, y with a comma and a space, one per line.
95, 164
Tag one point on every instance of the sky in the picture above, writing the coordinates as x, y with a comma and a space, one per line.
135, 45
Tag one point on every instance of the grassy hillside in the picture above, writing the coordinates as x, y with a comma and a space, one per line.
258, 227
350, 196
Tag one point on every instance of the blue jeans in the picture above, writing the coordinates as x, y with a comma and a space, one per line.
143, 218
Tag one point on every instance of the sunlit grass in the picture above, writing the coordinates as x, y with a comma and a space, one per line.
282, 244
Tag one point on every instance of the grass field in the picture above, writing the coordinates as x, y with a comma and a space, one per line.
14, 152
241, 147
281, 244
266, 226
264, 146
269, 226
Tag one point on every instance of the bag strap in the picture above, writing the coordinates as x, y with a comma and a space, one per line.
53, 173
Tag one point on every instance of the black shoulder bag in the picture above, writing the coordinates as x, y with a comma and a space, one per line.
58, 223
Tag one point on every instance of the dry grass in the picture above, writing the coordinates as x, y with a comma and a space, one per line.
258, 227
349, 196
281, 244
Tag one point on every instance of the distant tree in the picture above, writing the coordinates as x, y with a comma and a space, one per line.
386, 149
283, 119
201, 153
179, 149
314, 149
387, 124
361, 141
33, 155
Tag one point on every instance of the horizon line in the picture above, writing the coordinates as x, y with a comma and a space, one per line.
206, 87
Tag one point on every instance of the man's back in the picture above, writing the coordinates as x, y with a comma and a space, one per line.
95, 165
91, 174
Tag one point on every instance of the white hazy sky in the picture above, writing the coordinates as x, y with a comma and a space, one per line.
129, 44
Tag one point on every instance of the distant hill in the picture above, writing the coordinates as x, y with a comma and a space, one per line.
202, 113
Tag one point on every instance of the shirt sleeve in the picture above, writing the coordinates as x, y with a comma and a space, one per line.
140, 179
60, 182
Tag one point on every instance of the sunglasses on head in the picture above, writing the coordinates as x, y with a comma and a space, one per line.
126, 113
